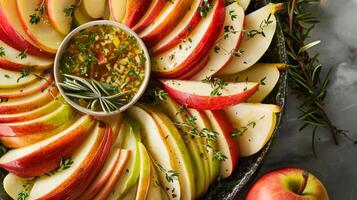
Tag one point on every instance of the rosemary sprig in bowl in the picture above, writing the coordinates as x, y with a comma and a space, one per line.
96, 95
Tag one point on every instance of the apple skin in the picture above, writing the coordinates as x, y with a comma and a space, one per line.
152, 13
134, 11
33, 164
195, 70
279, 185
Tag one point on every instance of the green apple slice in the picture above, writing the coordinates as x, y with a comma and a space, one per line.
190, 134
154, 140
80, 17
155, 190
144, 178
266, 74
254, 124
93, 8
132, 169
202, 122
179, 152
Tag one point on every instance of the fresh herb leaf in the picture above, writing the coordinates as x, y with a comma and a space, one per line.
2, 52
25, 72
204, 8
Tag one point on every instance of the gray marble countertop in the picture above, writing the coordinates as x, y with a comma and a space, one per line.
336, 166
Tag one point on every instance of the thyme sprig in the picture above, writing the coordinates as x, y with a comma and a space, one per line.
97, 94
305, 76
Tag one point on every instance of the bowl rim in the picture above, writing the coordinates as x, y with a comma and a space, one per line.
63, 46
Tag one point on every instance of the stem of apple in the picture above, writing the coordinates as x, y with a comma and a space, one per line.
305, 176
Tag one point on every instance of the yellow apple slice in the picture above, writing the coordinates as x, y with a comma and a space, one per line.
131, 193
266, 74
227, 44
14, 185
12, 60
254, 125
117, 9
42, 33
70, 183
26, 90
80, 17
28, 103
93, 8
59, 19
154, 140
243, 3
254, 45
11, 79
144, 178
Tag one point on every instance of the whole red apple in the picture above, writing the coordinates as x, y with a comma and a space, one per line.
288, 184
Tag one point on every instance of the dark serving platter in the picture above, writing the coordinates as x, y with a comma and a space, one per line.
228, 189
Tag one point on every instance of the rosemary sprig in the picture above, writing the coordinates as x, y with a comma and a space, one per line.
305, 76
96, 94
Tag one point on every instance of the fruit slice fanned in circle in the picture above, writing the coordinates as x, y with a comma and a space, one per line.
194, 48
93, 8
204, 96
11, 79
57, 16
181, 31
42, 33
227, 45
117, 9
134, 11
153, 11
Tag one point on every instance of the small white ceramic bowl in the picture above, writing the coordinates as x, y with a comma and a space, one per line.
59, 77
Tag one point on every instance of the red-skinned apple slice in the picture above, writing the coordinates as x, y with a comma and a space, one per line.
243, 3
27, 140
26, 90
194, 70
45, 123
60, 20
12, 61
42, 157
170, 15
107, 189
42, 33
103, 176
28, 103
181, 31
254, 45
194, 48
256, 123
134, 11
227, 145
13, 185
11, 24
117, 9
153, 11
267, 74
10, 79
88, 160
198, 95
93, 8
227, 44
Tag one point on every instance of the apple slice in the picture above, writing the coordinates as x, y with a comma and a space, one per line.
117, 9
27, 140
202, 123
194, 70
28, 103
42, 157
42, 33
93, 8
180, 154
254, 124
181, 31
154, 140
144, 178
11, 79
80, 17
266, 74
45, 123
193, 49
227, 145
169, 17
132, 169
254, 45
185, 123
60, 20
103, 176
150, 15
155, 190
12, 60
113, 179
134, 11
243, 3
11, 24
202, 96
14, 185
30, 115
227, 44
88, 160
26, 90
